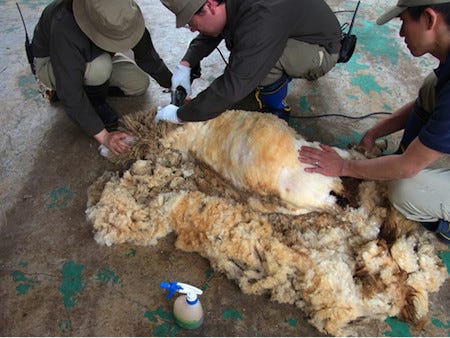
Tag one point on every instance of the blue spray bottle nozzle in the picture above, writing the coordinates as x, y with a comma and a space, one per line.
172, 287
191, 291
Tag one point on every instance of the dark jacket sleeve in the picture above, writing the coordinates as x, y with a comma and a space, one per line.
68, 62
200, 47
149, 60
257, 47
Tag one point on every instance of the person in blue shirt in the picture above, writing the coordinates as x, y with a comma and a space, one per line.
419, 187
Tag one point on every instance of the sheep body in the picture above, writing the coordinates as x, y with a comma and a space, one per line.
357, 263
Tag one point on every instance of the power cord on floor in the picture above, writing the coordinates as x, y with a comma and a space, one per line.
339, 115
324, 115
221, 55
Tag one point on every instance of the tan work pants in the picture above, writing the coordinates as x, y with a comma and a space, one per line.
303, 61
423, 198
120, 70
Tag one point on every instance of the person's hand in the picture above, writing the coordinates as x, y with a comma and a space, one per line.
168, 113
116, 141
367, 143
182, 77
325, 161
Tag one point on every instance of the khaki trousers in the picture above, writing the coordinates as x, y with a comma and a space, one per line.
120, 70
423, 198
302, 60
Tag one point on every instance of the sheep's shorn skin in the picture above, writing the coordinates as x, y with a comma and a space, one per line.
233, 191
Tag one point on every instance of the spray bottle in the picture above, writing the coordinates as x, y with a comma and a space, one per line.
187, 309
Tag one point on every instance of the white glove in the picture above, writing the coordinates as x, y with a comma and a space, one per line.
104, 151
168, 113
182, 77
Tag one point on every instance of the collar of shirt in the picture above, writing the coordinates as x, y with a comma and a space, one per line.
443, 73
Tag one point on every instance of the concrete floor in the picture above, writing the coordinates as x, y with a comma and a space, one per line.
55, 280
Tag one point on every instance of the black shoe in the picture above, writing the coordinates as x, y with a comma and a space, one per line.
115, 91
52, 96
106, 113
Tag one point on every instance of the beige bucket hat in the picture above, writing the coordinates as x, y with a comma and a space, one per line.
402, 5
183, 9
113, 25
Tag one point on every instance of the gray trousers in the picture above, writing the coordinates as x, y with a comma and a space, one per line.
120, 70
423, 198
301, 60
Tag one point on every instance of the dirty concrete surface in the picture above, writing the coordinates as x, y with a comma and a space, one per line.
55, 280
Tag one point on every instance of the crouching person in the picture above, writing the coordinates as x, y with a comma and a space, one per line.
419, 192
270, 43
76, 45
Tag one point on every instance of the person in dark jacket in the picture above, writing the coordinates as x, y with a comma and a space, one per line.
418, 184
270, 42
75, 46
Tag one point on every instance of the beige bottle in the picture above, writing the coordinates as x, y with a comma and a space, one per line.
187, 309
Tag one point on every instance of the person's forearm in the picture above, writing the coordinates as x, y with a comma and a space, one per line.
395, 122
416, 157
199, 48
381, 168
148, 59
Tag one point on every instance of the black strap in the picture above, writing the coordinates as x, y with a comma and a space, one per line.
28, 45
348, 42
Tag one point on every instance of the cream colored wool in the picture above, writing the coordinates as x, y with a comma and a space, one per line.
362, 263
258, 152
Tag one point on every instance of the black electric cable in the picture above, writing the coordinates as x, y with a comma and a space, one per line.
223, 58
340, 115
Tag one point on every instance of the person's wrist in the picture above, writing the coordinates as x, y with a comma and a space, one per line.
371, 134
102, 136
185, 63
345, 168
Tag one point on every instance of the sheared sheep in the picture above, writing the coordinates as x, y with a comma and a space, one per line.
291, 240
257, 153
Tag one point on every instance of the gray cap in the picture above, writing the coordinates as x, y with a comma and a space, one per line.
183, 9
402, 5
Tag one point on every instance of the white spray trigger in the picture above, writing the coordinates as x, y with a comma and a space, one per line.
191, 291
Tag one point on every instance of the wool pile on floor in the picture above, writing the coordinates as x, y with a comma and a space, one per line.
233, 191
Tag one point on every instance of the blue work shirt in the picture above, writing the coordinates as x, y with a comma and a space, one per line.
432, 128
